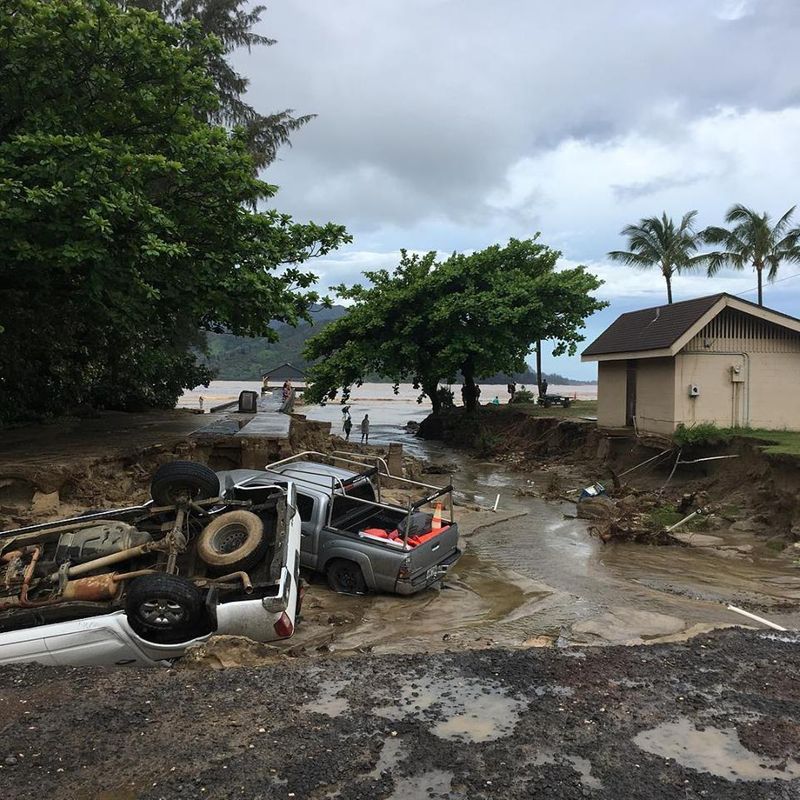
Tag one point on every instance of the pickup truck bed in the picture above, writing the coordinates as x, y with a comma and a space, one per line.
338, 509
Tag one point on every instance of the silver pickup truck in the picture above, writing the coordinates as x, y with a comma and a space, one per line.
359, 541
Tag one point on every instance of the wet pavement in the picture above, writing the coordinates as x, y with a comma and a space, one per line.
717, 717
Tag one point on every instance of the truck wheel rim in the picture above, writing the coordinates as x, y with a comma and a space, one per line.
230, 538
161, 612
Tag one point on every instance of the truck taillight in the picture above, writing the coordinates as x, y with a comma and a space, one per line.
284, 626
405, 568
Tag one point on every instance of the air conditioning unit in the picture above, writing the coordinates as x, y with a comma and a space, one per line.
694, 390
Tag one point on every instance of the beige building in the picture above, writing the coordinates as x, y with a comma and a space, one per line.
713, 359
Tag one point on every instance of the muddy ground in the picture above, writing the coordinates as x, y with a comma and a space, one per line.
717, 717
482, 689
532, 574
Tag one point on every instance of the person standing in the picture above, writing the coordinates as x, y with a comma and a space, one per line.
348, 426
365, 429
544, 386
200, 402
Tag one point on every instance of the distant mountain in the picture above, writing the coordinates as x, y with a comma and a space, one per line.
242, 358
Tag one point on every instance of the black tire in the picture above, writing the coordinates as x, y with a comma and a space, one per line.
183, 479
345, 577
165, 608
232, 542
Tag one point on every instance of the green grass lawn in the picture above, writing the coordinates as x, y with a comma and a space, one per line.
577, 408
781, 442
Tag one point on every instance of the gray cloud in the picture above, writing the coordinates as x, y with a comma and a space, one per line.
633, 191
423, 104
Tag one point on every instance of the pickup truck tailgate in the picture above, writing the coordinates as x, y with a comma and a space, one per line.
440, 551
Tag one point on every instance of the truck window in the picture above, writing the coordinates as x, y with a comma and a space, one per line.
305, 505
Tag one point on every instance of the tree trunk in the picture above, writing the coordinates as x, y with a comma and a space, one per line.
539, 366
668, 279
431, 389
471, 396
759, 272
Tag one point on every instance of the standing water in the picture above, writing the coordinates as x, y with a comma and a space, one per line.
542, 572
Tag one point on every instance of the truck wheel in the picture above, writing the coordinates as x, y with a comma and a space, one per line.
184, 479
164, 607
346, 577
232, 542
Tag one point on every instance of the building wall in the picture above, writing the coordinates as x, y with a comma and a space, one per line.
768, 357
655, 395
611, 377
720, 401
775, 391
773, 381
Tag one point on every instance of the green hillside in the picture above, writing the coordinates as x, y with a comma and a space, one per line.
242, 358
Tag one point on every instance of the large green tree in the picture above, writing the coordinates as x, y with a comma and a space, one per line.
753, 240
658, 243
126, 221
232, 23
472, 315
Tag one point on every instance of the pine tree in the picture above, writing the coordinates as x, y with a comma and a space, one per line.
232, 23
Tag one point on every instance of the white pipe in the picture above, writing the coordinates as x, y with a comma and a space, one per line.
756, 618
685, 519
496, 503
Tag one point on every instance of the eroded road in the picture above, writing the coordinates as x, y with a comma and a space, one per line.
715, 717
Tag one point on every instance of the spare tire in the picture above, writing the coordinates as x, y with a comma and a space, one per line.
183, 479
164, 607
232, 541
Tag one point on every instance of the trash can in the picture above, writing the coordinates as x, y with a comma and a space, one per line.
248, 402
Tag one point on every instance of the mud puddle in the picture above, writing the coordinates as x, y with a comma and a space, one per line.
328, 701
430, 785
476, 598
457, 708
717, 751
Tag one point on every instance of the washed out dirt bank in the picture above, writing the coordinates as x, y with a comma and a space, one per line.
70, 465
717, 717
753, 495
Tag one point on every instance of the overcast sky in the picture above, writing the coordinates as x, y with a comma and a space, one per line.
454, 124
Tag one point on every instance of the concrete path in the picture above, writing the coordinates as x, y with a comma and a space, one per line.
267, 426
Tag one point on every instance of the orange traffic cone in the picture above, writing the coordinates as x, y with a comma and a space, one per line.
436, 523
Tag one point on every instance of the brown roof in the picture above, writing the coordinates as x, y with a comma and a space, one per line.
651, 328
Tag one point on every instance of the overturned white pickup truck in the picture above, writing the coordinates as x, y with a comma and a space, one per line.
139, 585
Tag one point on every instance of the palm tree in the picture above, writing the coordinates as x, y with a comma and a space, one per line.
753, 240
658, 242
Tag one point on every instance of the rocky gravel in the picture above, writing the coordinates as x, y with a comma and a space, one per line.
715, 717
